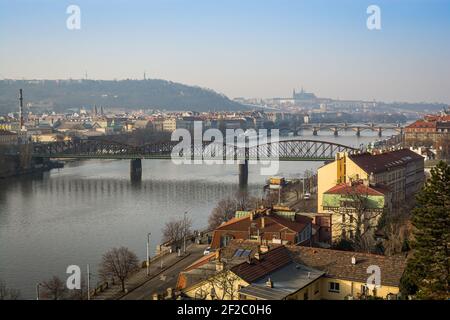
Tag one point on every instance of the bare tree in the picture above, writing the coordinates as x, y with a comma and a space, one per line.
224, 285
119, 263
359, 219
176, 230
223, 212
54, 289
8, 293
226, 208
397, 229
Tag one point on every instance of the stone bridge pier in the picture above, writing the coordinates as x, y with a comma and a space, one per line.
243, 173
136, 170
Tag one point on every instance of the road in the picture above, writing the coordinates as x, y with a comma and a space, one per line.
168, 279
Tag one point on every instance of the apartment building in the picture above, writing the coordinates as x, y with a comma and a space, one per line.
399, 171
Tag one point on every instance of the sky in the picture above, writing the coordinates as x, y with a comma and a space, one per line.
242, 48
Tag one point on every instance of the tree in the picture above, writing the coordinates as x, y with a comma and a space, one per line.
359, 219
119, 263
226, 208
223, 212
428, 271
8, 293
224, 284
54, 289
176, 230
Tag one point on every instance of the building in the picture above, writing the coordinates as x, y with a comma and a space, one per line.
433, 131
169, 125
400, 171
355, 205
246, 270
281, 227
8, 137
303, 96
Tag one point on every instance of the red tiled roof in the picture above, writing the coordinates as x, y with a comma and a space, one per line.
268, 262
201, 261
422, 124
272, 223
384, 161
344, 188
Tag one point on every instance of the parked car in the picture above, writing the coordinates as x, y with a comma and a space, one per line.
307, 196
207, 251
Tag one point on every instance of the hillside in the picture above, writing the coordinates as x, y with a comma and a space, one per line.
127, 94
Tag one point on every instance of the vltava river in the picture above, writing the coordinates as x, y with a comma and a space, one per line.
73, 215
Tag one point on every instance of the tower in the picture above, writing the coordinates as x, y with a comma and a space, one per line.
22, 123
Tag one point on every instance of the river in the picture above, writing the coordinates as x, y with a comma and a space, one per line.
74, 215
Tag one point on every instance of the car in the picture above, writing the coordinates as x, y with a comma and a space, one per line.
307, 196
207, 251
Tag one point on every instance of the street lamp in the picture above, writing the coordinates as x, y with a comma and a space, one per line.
148, 253
37, 290
184, 235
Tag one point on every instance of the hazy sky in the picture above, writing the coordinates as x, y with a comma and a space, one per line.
250, 48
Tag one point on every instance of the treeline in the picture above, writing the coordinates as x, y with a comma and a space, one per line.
61, 95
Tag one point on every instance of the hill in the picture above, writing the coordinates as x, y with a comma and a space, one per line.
61, 95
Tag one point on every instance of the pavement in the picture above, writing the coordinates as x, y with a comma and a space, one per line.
140, 286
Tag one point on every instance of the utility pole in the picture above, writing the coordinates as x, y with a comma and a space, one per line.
279, 194
148, 253
37, 290
22, 123
184, 235
88, 283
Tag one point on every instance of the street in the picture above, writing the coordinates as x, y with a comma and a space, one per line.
166, 279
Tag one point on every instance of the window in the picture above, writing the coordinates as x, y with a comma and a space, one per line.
333, 287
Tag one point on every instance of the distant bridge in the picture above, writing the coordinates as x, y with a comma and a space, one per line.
337, 127
284, 150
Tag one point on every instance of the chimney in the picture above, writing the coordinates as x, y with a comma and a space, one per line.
169, 293
263, 223
251, 216
269, 283
263, 248
353, 260
257, 256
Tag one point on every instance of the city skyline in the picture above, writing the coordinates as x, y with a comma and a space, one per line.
239, 49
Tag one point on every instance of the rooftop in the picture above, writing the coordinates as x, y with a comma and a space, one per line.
345, 188
337, 264
285, 281
371, 163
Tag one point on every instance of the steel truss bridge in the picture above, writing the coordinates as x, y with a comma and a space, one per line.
283, 150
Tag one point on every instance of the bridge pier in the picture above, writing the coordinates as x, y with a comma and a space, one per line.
136, 170
358, 132
380, 132
335, 132
243, 173
315, 132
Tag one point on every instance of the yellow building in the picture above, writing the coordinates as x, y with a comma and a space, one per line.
279, 272
401, 171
